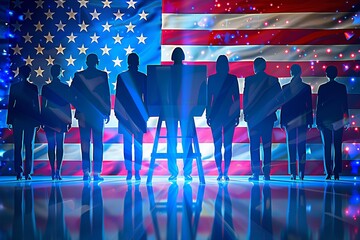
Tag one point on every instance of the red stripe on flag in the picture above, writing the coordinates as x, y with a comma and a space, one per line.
282, 69
264, 6
259, 37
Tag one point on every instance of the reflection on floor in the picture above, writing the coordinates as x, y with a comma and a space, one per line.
115, 209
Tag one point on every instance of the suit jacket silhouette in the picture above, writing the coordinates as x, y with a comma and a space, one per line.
297, 108
130, 107
332, 106
261, 98
55, 110
24, 106
91, 94
223, 98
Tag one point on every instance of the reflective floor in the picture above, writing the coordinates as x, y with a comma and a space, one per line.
115, 209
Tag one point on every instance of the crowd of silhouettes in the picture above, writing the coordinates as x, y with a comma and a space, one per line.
90, 95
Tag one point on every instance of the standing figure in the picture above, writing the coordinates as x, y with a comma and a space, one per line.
296, 117
261, 100
23, 117
130, 110
223, 112
332, 116
92, 102
56, 118
186, 125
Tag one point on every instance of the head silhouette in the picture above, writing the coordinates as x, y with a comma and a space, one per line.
222, 64
259, 64
24, 72
331, 72
178, 55
133, 60
92, 60
55, 70
295, 70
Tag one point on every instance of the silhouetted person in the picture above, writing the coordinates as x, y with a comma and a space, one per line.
261, 100
223, 227
56, 226
223, 112
23, 117
296, 117
131, 112
331, 118
260, 225
133, 225
56, 118
92, 102
186, 124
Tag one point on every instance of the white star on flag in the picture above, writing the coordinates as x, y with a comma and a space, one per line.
117, 39
129, 50
17, 49
82, 49
130, 27
71, 37
94, 38
106, 27
71, 14
118, 15
117, 62
83, 3
60, 49
49, 37
141, 39
106, 3
105, 50
131, 3
39, 72
83, 26
70, 60
143, 15
95, 15
39, 49
50, 60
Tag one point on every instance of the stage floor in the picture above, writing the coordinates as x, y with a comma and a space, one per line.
116, 209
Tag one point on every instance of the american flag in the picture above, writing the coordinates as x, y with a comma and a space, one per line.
314, 35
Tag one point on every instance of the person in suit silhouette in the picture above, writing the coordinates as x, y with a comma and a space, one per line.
130, 110
261, 100
223, 112
174, 115
56, 118
92, 102
296, 117
331, 118
23, 117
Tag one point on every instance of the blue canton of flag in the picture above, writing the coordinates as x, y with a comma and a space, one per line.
65, 32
